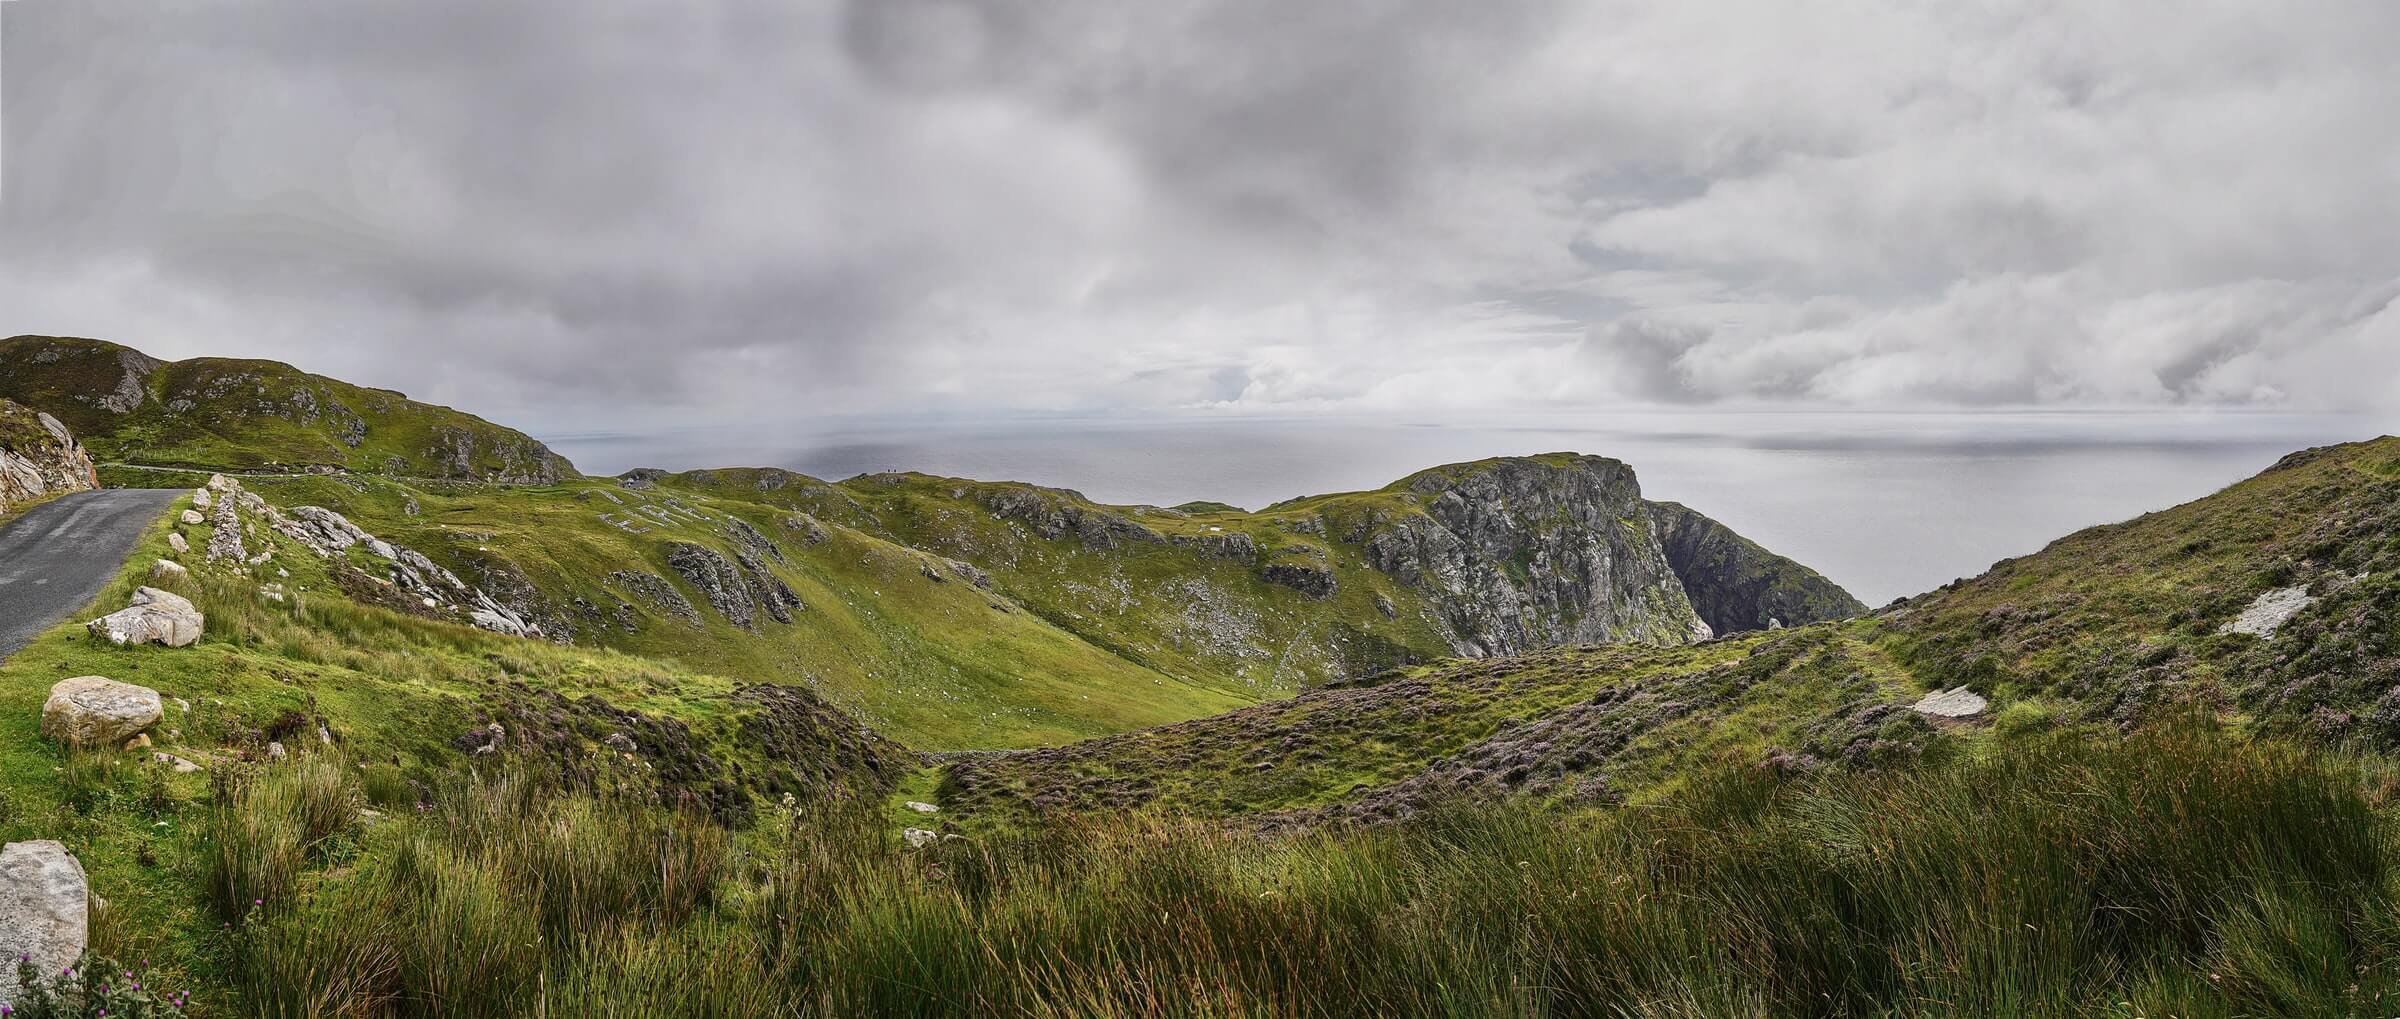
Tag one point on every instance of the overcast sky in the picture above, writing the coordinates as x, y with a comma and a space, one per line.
598, 210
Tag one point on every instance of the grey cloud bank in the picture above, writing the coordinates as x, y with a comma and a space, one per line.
565, 213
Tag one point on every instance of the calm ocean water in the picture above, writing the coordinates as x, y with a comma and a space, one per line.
1888, 504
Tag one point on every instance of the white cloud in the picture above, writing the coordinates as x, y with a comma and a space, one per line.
609, 210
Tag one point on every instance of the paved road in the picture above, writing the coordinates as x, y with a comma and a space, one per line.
57, 556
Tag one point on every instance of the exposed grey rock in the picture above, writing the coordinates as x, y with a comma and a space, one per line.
2268, 612
1312, 578
919, 838
95, 711
751, 540
1737, 586
153, 617
1956, 702
173, 763
496, 455
720, 582
1518, 554
497, 623
45, 910
192, 518
769, 590
655, 590
1233, 546
168, 569
922, 807
1055, 513
329, 534
45, 461
968, 572
225, 525
176, 541
200, 498
503, 590
810, 531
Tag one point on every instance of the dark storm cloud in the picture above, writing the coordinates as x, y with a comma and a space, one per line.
609, 210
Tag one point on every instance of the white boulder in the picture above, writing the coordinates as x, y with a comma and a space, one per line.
45, 910
175, 540
1956, 702
2268, 612
193, 518
152, 617
168, 569
95, 711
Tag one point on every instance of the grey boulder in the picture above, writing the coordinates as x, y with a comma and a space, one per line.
95, 711
1956, 702
45, 909
152, 617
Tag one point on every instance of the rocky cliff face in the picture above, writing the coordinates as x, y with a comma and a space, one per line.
38, 457
1524, 553
1736, 585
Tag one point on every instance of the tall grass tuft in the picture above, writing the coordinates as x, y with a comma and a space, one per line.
2183, 871
265, 825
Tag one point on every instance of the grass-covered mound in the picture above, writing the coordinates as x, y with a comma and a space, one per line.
239, 414
2119, 621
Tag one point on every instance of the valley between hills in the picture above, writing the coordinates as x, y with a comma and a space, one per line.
436, 725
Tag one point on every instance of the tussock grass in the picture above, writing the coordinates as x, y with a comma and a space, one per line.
2182, 872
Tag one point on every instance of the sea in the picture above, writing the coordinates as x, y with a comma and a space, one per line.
1888, 504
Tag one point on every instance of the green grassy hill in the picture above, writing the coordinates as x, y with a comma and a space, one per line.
1494, 556
950, 613
2111, 627
247, 415
906, 641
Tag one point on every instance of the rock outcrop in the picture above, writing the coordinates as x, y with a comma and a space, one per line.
1524, 553
151, 617
657, 592
1054, 513
1737, 586
330, 535
1310, 576
1956, 702
45, 910
39, 457
95, 711
738, 590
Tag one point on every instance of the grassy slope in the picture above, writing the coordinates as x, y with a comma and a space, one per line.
238, 414
394, 691
2118, 619
1173, 605
2112, 625
934, 663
